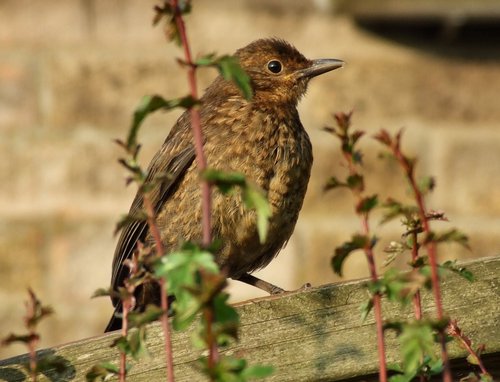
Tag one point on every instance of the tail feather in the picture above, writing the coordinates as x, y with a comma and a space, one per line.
115, 322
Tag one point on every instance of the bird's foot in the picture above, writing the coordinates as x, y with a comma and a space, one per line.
266, 286
261, 284
304, 287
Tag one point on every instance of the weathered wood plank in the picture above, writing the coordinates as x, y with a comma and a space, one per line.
313, 335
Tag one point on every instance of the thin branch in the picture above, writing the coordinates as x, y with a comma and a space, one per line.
213, 355
431, 251
153, 227
417, 301
123, 355
370, 257
33, 336
455, 331
377, 302
195, 125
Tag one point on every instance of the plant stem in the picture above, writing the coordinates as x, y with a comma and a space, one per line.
196, 126
377, 303
417, 301
163, 289
457, 333
31, 311
213, 353
123, 355
432, 254
206, 201
377, 298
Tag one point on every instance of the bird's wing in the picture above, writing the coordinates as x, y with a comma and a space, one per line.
166, 170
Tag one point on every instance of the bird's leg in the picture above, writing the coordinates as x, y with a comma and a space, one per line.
259, 283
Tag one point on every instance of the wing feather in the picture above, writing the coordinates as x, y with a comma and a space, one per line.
170, 171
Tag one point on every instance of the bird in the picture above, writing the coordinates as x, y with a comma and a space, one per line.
261, 137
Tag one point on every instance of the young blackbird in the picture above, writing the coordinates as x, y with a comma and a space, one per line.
262, 138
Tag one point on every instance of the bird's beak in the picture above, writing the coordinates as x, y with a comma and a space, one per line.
321, 66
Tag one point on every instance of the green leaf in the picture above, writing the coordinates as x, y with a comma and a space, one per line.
342, 252
395, 209
486, 378
394, 367
365, 309
257, 371
332, 183
402, 378
122, 344
181, 270
226, 319
254, 197
101, 372
435, 366
137, 343
426, 185
101, 292
452, 266
224, 312
151, 314
356, 182
229, 67
452, 235
225, 181
417, 341
367, 204
472, 359
179, 267
150, 104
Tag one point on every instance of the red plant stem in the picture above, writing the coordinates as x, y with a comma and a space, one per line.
213, 355
432, 254
377, 298
32, 351
163, 289
123, 356
377, 303
214, 358
196, 126
473, 353
33, 336
417, 301
169, 354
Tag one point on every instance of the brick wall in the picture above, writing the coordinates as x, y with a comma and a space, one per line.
72, 71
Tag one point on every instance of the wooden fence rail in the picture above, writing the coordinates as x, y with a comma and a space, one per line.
312, 335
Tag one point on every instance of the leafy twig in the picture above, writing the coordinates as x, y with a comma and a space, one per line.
473, 358
363, 207
408, 165
35, 312
206, 201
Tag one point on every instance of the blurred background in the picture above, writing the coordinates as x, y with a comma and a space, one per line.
72, 72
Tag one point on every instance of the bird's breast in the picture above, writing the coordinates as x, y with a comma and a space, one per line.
278, 158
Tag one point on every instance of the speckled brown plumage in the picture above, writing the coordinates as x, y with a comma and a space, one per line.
262, 138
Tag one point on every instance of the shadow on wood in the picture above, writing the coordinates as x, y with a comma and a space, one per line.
312, 335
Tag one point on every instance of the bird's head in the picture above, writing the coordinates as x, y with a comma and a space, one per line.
280, 73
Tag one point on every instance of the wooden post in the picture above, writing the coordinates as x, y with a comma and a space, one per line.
313, 335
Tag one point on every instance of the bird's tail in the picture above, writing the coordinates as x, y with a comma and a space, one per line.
115, 322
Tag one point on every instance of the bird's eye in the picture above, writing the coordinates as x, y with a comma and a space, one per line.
274, 66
